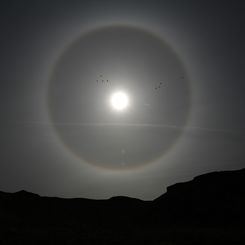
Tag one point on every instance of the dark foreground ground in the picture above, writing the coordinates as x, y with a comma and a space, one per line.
210, 209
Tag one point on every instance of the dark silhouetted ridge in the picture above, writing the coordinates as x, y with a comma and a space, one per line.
210, 209
213, 198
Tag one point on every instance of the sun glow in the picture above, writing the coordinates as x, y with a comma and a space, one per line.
119, 101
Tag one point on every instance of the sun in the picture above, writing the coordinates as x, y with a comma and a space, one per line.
119, 100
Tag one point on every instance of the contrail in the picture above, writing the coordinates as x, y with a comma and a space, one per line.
170, 126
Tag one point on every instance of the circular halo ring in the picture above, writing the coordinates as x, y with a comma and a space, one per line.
74, 153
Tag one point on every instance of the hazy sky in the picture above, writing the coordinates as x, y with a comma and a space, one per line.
59, 134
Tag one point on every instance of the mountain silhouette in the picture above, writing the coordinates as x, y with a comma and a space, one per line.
210, 209
213, 198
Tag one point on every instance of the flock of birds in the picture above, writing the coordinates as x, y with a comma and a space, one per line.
101, 79
157, 87
160, 85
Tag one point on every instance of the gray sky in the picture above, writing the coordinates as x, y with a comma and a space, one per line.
59, 133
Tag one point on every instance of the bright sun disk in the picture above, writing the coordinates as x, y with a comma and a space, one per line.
119, 101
